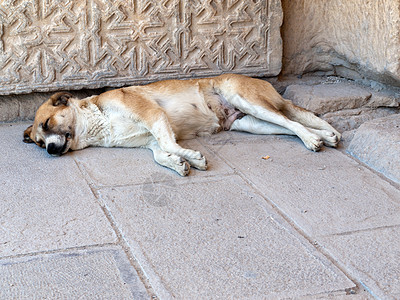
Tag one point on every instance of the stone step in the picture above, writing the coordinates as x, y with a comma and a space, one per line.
345, 105
377, 143
326, 98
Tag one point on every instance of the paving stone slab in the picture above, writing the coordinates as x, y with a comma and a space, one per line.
216, 238
372, 256
91, 274
45, 202
324, 193
377, 143
119, 166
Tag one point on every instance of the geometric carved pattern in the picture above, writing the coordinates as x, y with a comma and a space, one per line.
71, 44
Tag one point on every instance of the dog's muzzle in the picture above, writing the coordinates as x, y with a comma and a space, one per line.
57, 144
54, 149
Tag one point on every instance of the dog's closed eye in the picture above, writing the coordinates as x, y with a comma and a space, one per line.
45, 126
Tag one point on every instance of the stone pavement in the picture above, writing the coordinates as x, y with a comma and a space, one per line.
111, 224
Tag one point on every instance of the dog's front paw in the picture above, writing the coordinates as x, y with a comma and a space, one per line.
200, 163
182, 168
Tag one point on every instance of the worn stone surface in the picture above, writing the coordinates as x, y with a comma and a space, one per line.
46, 203
373, 255
377, 143
138, 165
275, 228
217, 238
46, 46
347, 136
9, 110
101, 274
343, 37
325, 193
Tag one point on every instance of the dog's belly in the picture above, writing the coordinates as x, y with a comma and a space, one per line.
189, 114
194, 114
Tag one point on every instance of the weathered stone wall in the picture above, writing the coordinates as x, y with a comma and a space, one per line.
48, 45
351, 38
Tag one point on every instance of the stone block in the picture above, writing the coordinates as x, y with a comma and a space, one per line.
384, 99
377, 143
324, 98
355, 39
350, 119
216, 238
23, 107
90, 274
344, 105
46, 46
9, 110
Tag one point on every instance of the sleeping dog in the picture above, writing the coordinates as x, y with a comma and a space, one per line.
156, 115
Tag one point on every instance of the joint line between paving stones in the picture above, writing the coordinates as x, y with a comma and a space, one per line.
57, 251
170, 179
133, 258
362, 230
369, 290
311, 241
123, 242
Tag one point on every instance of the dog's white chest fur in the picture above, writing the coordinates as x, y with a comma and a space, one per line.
112, 127
124, 130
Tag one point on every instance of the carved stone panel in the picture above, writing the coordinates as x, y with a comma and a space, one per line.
71, 44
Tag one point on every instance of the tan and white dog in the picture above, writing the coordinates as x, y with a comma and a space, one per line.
156, 115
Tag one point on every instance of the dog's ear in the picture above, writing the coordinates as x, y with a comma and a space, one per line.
60, 98
27, 135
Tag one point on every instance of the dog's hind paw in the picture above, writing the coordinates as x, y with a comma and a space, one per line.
330, 138
313, 143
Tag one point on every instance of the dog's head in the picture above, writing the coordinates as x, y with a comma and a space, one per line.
53, 127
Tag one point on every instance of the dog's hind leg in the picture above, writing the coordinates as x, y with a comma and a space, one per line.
253, 125
328, 134
270, 114
258, 98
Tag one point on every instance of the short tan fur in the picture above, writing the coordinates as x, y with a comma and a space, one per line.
156, 115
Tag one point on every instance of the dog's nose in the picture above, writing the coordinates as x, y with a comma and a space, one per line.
53, 149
